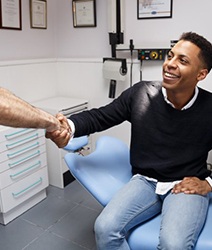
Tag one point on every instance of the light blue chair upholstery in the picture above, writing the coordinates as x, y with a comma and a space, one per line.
77, 143
105, 171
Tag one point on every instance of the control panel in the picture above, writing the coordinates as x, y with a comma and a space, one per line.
152, 54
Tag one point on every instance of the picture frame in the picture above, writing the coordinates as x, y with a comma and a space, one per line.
84, 13
10, 14
38, 14
150, 9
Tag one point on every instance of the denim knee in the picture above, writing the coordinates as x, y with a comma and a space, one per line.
102, 229
107, 234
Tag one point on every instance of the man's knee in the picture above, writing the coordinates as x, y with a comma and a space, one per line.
98, 226
107, 229
102, 227
106, 234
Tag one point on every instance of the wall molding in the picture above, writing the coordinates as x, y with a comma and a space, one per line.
27, 62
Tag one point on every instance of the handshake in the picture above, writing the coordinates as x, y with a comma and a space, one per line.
62, 134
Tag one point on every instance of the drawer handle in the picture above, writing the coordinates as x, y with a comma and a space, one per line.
38, 164
17, 133
23, 191
14, 164
23, 150
21, 141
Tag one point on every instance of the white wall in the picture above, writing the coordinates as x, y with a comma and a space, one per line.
30, 43
94, 42
62, 40
82, 42
31, 80
189, 15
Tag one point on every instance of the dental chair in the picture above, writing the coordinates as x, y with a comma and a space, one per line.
103, 172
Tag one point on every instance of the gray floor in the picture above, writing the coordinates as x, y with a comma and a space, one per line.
63, 221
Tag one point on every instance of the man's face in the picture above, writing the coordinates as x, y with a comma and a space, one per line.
183, 67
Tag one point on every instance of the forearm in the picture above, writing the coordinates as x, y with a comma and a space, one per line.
17, 113
96, 120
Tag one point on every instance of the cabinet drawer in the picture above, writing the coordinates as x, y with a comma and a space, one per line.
9, 145
22, 170
22, 158
22, 190
22, 149
9, 134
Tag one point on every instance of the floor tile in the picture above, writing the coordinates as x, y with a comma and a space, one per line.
77, 226
49, 211
62, 221
49, 241
17, 234
76, 193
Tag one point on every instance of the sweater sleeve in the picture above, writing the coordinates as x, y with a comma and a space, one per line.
105, 117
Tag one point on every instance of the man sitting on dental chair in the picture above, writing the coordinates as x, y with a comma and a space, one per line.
171, 136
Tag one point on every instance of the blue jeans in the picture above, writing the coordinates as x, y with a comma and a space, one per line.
183, 216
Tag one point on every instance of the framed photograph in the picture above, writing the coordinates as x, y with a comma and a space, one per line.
10, 14
148, 9
38, 14
84, 13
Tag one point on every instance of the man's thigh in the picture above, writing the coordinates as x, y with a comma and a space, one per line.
134, 203
183, 216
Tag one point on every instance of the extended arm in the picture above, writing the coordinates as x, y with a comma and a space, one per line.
15, 112
94, 120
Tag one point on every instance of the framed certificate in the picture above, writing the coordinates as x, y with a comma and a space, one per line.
10, 14
147, 9
38, 14
84, 13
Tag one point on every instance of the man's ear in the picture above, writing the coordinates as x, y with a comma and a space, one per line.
202, 74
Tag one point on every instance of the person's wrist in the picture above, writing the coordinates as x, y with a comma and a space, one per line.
54, 124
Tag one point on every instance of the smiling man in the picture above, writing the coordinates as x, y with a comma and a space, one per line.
171, 135
182, 70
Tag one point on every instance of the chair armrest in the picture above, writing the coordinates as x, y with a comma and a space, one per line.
76, 143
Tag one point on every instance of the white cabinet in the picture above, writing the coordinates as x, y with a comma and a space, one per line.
23, 170
59, 174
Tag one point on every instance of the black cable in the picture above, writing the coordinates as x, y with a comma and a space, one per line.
112, 88
141, 62
131, 65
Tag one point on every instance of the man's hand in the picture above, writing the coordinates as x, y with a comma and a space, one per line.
60, 137
192, 185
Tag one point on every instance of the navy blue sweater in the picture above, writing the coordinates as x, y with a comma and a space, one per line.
166, 144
